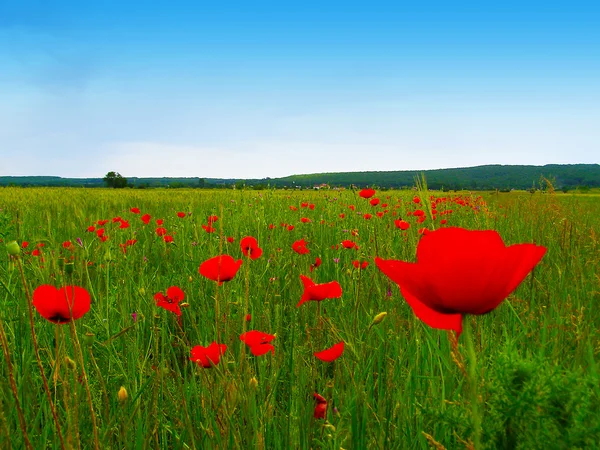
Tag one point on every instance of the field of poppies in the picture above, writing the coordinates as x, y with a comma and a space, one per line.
335, 319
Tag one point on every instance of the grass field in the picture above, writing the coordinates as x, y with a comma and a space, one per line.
530, 382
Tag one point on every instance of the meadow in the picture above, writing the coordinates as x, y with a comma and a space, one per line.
121, 375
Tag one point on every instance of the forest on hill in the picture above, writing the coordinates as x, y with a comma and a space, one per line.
490, 177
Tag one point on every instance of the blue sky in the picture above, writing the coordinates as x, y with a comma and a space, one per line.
268, 89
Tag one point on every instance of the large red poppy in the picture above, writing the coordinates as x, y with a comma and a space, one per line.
250, 247
61, 305
170, 302
318, 292
207, 356
460, 272
332, 353
220, 268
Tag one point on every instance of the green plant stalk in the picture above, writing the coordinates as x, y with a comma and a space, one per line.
476, 415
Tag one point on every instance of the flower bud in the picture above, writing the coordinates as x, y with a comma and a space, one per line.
253, 383
88, 339
70, 363
378, 318
122, 395
13, 248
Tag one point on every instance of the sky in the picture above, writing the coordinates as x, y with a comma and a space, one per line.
274, 88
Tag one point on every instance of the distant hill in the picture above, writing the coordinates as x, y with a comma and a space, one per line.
562, 176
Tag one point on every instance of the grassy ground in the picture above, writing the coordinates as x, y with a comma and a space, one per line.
398, 384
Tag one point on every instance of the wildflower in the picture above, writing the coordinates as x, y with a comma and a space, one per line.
170, 302
61, 305
321, 407
300, 247
374, 201
181, 214
250, 247
220, 268
459, 272
305, 220
212, 219
316, 264
209, 229
258, 341
161, 231
367, 193
402, 224
122, 395
135, 210
357, 264
207, 356
349, 244
319, 292
146, 218
332, 353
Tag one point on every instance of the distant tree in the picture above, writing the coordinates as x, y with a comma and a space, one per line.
115, 180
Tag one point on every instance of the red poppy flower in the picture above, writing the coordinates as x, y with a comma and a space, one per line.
358, 264
374, 201
124, 224
168, 238
290, 227
212, 219
305, 220
102, 222
146, 218
342, 215
304, 205
207, 356
352, 207
349, 244
332, 353
402, 224
208, 228
311, 206
367, 193
159, 222
35, 252
25, 244
170, 302
293, 208
220, 268
230, 240
116, 219
321, 407
367, 216
100, 232
258, 342
300, 247
135, 210
161, 231
460, 272
61, 305
181, 215
316, 264
416, 199
67, 244
250, 247
318, 292
91, 229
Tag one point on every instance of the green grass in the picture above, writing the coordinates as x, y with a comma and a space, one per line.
396, 383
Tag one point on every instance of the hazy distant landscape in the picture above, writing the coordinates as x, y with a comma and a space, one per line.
489, 177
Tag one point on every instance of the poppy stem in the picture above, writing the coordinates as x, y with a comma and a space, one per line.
472, 370
85, 381
37, 355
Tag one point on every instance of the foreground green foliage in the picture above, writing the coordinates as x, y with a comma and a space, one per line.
399, 384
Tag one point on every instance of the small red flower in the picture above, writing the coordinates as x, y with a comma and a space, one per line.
36, 252
61, 305
25, 244
146, 218
124, 224
181, 215
316, 264
367, 216
318, 292
305, 220
159, 222
321, 407
161, 231
102, 222
357, 264
416, 199
258, 341
402, 224
207, 356
250, 247
300, 247
459, 272
332, 353
67, 244
168, 238
349, 244
91, 229
208, 228
374, 201
170, 302
220, 268
135, 210
367, 193
290, 227
212, 219
230, 240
